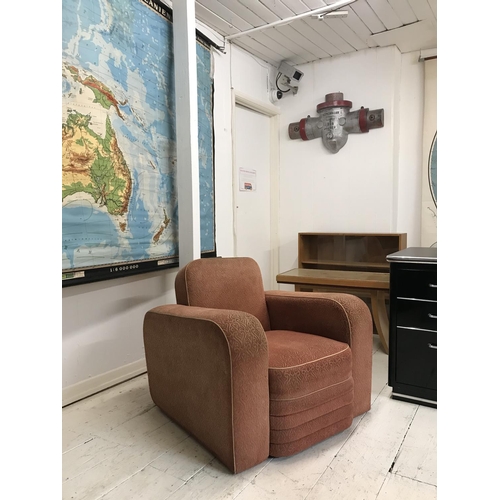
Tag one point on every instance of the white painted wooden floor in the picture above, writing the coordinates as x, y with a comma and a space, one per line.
117, 445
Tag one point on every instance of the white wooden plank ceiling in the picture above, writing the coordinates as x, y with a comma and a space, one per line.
408, 24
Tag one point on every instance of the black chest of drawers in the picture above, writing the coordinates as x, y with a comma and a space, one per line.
413, 325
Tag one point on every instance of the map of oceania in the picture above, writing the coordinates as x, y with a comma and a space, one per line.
119, 190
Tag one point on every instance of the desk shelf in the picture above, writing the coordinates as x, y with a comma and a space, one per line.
348, 251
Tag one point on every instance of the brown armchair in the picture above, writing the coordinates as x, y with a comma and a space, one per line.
252, 374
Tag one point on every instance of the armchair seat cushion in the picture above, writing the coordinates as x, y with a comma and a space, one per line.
302, 363
311, 389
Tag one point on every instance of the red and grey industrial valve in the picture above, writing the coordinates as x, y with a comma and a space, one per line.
335, 122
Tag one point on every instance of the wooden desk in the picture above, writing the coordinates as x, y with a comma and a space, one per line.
327, 280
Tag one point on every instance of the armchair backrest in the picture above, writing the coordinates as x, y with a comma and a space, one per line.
223, 283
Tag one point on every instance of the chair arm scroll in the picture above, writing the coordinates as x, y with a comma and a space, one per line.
208, 371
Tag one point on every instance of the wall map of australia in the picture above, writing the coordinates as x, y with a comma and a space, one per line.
119, 192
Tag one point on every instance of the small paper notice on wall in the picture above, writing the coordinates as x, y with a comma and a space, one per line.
248, 180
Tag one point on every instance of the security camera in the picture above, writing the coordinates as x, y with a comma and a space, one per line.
293, 74
276, 95
288, 77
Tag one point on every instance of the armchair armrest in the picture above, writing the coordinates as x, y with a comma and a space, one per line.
338, 316
208, 371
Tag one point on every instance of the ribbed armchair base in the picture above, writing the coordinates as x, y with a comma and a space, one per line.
311, 390
293, 447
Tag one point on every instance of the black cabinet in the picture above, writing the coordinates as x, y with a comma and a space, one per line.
413, 325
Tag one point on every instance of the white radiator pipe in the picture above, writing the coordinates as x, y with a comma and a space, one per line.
327, 8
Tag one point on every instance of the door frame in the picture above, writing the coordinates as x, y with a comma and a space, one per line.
273, 113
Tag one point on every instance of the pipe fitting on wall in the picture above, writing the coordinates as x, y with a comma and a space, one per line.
336, 122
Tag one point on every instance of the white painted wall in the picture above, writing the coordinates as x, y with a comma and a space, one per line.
410, 147
102, 329
250, 75
371, 184
356, 190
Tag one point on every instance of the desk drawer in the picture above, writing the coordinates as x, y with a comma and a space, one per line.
417, 284
416, 314
416, 353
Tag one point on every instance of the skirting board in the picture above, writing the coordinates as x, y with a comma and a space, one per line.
98, 383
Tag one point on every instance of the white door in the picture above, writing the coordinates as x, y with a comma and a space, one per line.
251, 136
